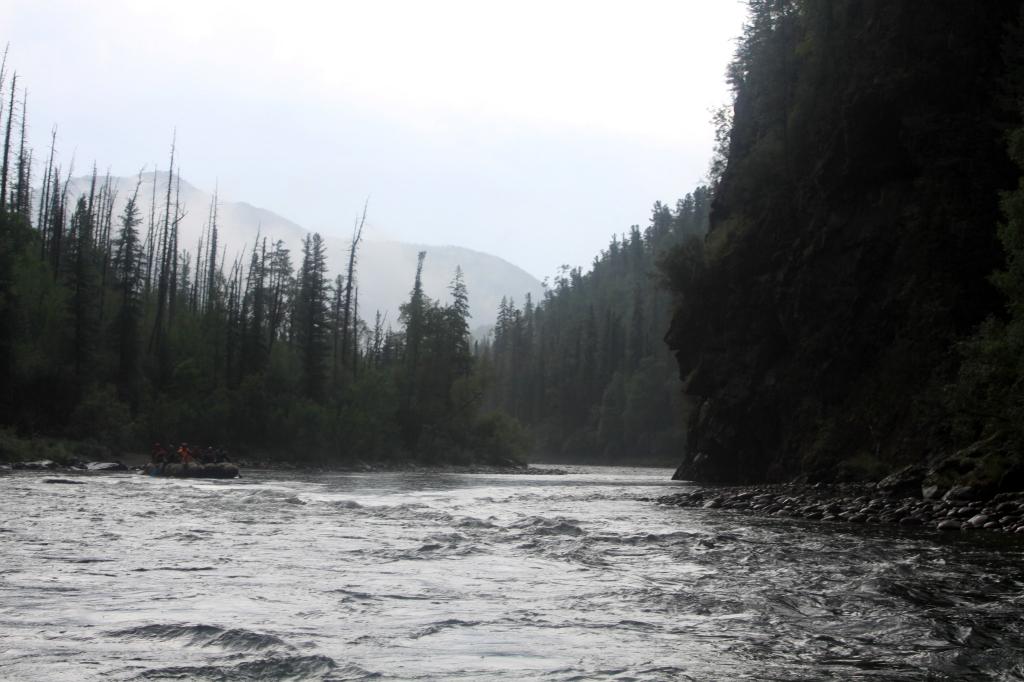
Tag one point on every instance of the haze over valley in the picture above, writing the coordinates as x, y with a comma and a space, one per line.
385, 267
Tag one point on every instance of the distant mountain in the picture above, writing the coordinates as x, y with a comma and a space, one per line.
385, 268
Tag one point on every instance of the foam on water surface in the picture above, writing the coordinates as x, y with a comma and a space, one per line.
445, 576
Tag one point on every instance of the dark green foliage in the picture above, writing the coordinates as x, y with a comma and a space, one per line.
128, 281
82, 278
988, 398
441, 396
101, 415
16, 238
121, 340
310, 323
851, 237
585, 369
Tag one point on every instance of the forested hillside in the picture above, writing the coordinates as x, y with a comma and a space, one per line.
846, 296
827, 329
114, 332
586, 368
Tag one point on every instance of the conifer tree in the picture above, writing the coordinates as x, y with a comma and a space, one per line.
413, 316
312, 316
128, 273
82, 279
211, 266
458, 323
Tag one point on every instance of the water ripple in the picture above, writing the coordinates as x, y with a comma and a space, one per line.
479, 577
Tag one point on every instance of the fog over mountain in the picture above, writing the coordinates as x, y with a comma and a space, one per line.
385, 268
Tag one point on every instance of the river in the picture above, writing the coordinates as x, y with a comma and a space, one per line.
476, 577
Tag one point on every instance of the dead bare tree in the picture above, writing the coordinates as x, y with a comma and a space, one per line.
4, 168
357, 236
157, 336
44, 198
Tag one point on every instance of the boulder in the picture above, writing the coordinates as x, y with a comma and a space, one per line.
105, 466
977, 521
905, 481
960, 492
948, 524
37, 465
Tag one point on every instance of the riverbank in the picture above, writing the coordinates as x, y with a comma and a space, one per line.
408, 467
138, 462
70, 456
862, 504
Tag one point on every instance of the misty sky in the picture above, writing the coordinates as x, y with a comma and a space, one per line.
532, 130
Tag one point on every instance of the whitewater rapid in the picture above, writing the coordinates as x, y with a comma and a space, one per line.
444, 576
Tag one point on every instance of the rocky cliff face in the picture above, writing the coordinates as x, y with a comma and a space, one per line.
851, 238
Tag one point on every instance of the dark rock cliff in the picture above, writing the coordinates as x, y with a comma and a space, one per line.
852, 235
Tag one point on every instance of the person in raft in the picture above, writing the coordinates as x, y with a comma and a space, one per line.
159, 454
185, 454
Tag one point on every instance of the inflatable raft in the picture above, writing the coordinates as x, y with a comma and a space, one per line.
175, 470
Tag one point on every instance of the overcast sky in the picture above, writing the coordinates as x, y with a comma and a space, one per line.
532, 130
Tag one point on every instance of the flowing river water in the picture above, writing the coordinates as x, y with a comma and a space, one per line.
476, 577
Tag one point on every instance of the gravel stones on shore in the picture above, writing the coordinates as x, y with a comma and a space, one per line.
862, 504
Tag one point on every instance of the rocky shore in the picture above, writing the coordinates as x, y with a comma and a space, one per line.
140, 462
75, 465
958, 509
